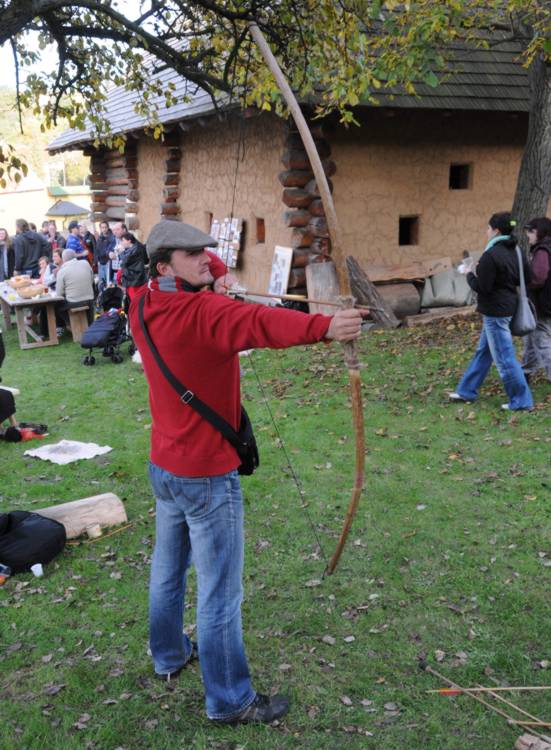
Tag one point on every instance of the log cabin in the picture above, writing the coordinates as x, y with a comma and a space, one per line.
416, 180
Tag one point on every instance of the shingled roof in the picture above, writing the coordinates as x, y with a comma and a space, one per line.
481, 79
123, 119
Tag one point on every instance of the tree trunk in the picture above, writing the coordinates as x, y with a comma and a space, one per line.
534, 179
366, 294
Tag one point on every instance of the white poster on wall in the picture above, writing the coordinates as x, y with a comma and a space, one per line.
281, 268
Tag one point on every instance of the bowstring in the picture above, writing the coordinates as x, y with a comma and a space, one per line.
240, 156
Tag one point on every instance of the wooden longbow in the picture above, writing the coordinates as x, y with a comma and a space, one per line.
347, 300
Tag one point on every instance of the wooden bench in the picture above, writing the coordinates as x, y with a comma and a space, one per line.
78, 321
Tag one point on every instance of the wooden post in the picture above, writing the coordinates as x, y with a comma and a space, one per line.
79, 515
322, 283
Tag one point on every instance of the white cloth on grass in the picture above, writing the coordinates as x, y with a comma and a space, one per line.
67, 451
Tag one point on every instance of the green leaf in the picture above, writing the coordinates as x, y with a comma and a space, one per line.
431, 79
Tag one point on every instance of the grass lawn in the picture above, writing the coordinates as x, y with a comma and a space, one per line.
449, 557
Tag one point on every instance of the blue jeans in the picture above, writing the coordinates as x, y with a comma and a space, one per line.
200, 517
103, 273
496, 345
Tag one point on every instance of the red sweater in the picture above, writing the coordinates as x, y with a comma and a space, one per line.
199, 336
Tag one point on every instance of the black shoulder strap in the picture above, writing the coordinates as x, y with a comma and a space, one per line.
187, 396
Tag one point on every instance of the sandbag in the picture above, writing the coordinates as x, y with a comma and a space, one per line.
28, 538
447, 289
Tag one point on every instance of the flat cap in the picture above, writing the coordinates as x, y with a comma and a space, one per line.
175, 235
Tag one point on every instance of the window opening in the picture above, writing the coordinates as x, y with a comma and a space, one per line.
260, 230
408, 230
460, 176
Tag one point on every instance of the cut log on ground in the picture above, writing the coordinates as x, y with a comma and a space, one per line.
402, 299
367, 294
420, 269
529, 742
79, 515
438, 313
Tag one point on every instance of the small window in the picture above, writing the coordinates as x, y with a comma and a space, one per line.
260, 230
460, 176
408, 230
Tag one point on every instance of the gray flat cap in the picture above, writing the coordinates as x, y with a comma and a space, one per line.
175, 235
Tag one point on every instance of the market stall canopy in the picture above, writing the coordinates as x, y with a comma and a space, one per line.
67, 208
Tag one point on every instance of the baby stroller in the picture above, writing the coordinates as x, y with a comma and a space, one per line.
108, 331
111, 297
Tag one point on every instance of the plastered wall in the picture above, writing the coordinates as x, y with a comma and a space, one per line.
208, 173
399, 166
151, 170
390, 167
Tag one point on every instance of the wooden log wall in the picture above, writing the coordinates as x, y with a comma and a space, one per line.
310, 236
170, 207
114, 185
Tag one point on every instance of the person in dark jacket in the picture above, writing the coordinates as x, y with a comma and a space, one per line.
133, 260
28, 247
56, 240
7, 260
537, 345
495, 281
88, 239
105, 245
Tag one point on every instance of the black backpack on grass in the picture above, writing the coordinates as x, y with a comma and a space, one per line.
28, 538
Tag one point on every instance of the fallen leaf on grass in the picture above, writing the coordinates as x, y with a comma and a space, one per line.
351, 729
82, 722
460, 659
53, 689
313, 711
345, 700
312, 583
439, 655
329, 640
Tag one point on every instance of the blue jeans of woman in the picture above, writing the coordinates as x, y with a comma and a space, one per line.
496, 345
200, 518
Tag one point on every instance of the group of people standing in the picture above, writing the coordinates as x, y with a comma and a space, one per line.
110, 252
66, 265
495, 280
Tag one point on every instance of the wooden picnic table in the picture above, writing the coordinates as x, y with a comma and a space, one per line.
10, 299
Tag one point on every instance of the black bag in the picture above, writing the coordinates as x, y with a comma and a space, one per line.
243, 440
29, 538
247, 448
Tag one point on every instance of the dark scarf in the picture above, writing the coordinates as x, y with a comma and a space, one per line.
172, 284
